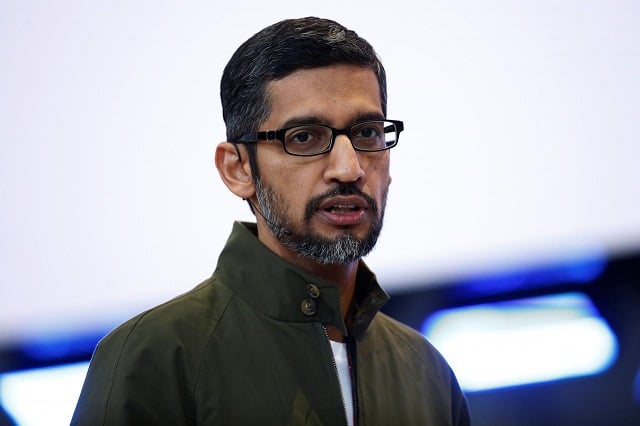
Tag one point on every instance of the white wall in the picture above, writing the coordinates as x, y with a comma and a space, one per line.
521, 143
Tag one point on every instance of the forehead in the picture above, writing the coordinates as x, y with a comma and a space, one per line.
336, 95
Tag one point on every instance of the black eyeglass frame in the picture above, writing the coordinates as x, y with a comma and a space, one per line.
278, 135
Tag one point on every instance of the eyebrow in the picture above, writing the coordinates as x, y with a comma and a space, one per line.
319, 120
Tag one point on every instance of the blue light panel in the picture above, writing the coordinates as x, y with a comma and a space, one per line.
523, 341
43, 396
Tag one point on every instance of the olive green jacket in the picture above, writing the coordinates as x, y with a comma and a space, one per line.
249, 347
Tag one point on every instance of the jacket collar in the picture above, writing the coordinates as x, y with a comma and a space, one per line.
283, 291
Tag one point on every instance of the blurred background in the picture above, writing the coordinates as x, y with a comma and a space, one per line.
512, 233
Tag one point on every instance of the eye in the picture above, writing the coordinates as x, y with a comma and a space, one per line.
368, 131
307, 140
301, 136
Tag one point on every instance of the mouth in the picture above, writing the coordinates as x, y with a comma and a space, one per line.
337, 209
343, 210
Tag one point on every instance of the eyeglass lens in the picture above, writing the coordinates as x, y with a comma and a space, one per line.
367, 136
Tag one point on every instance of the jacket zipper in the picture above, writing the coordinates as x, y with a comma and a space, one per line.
335, 370
353, 369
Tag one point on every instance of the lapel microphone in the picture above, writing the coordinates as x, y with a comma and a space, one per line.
273, 225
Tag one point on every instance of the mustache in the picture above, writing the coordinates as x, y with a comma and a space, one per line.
344, 189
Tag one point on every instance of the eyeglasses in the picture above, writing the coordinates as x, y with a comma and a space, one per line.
316, 139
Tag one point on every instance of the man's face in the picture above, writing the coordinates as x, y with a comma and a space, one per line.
332, 205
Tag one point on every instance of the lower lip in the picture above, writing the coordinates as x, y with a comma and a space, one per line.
343, 218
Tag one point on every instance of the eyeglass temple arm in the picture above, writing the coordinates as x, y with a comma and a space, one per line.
399, 126
270, 135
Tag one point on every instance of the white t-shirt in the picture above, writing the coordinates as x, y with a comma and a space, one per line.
342, 364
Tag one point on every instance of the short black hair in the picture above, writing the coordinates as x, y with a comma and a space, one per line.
277, 51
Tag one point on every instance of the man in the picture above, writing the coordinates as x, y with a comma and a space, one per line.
287, 330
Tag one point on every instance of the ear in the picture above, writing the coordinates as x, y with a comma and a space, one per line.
234, 170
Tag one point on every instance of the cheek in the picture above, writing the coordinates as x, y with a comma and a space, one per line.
380, 174
383, 180
295, 187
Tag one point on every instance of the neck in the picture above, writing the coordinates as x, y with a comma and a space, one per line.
344, 276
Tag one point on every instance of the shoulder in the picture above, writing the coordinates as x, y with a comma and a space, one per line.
403, 342
184, 320
391, 345
163, 346
394, 332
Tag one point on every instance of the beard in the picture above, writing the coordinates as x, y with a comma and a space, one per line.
343, 249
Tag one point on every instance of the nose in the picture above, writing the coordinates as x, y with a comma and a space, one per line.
344, 163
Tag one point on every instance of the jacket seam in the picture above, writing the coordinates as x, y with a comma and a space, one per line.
211, 329
117, 365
